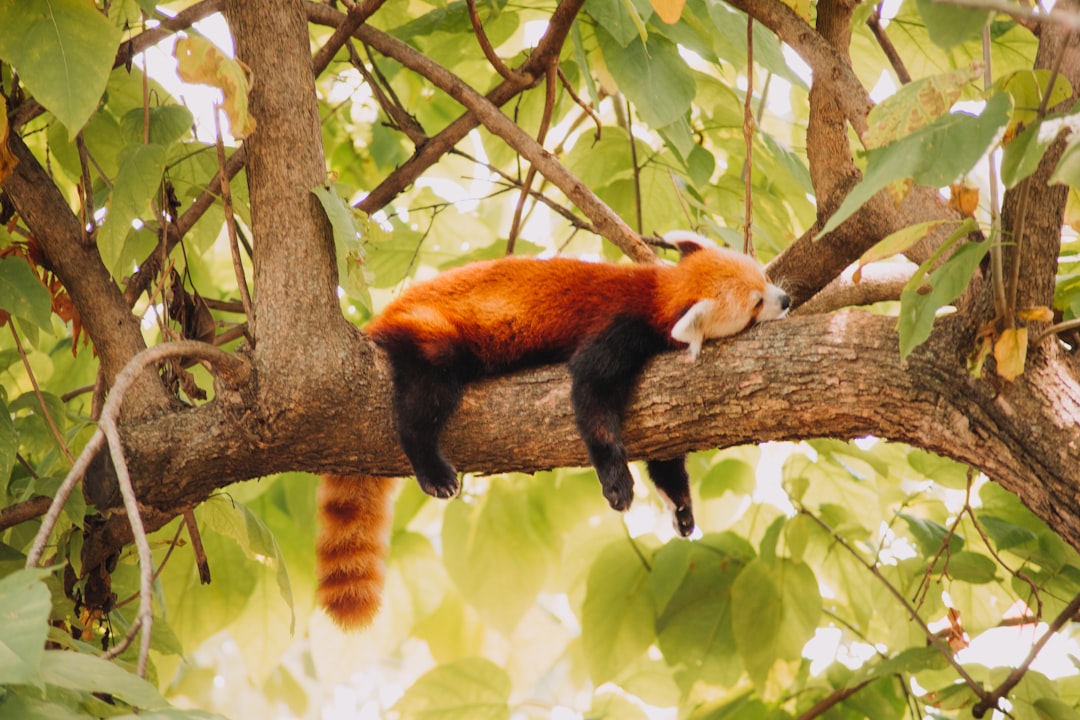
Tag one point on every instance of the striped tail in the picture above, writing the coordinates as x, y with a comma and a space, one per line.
354, 532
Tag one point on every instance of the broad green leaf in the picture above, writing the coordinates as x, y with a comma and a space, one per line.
22, 294
917, 311
930, 536
970, 567
934, 156
617, 616
89, 673
469, 689
135, 187
623, 19
914, 106
347, 241
239, 523
9, 443
776, 607
497, 550
652, 75
694, 628
906, 662
1005, 534
168, 124
1027, 87
63, 50
943, 471
24, 624
950, 25
729, 475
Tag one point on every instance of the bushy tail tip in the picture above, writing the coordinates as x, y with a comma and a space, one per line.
350, 552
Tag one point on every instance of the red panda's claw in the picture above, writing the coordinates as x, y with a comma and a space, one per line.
443, 488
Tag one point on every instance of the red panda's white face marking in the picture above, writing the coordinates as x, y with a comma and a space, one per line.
728, 289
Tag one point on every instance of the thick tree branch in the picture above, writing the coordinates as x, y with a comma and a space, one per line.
749, 389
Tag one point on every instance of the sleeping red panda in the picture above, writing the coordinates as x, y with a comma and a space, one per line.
492, 317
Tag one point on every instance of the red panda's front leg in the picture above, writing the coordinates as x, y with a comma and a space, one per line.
425, 396
603, 371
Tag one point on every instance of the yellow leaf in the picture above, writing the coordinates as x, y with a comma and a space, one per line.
668, 10
1010, 352
964, 199
1037, 314
7, 158
200, 61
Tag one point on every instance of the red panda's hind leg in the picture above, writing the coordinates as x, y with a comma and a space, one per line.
603, 371
673, 483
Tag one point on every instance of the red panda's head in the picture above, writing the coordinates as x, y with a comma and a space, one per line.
724, 291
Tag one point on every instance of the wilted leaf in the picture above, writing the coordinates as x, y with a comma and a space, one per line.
964, 199
200, 61
914, 106
1010, 352
668, 10
7, 159
1037, 314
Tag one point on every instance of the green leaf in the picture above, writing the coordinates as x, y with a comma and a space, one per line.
950, 25
63, 51
930, 536
168, 124
135, 187
497, 551
1005, 534
239, 523
776, 606
623, 19
1067, 171
917, 311
22, 294
971, 567
653, 76
694, 629
469, 689
898, 242
934, 156
9, 443
617, 616
24, 624
89, 673
347, 236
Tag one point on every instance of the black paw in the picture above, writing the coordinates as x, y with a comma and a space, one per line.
683, 519
619, 490
443, 485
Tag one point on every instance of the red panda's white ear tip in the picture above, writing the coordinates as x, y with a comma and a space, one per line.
687, 241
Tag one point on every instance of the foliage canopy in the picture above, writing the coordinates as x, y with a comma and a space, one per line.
831, 578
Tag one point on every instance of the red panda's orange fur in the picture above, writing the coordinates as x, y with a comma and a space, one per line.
554, 303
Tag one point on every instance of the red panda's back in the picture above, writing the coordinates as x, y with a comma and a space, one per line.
511, 311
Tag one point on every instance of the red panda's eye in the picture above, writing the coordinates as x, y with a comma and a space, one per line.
760, 303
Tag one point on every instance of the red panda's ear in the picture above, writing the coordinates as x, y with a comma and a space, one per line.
688, 242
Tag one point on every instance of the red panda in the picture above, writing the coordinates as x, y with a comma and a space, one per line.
492, 317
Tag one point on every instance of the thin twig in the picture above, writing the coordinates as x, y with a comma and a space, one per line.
485, 43
886, 45
356, 16
634, 166
20, 512
748, 138
530, 176
990, 700
230, 226
931, 637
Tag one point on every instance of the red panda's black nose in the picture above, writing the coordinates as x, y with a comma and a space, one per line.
785, 301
